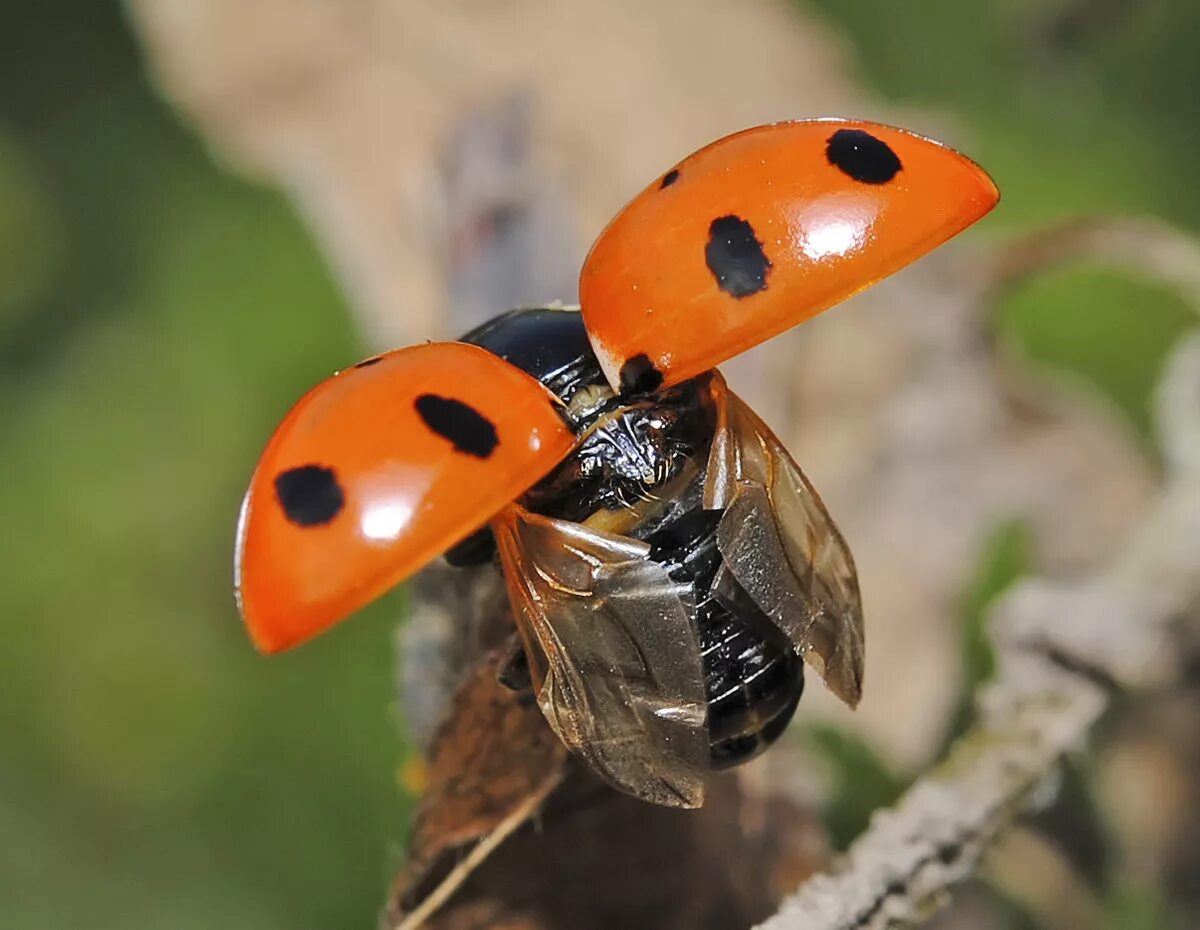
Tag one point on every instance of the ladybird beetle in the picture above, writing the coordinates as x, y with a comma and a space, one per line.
669, 566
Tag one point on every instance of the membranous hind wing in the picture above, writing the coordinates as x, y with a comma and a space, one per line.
613, 652
781, 546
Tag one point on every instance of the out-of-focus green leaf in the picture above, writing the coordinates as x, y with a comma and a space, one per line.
861, 781
1005, 558
30, 234
1132, 907
156, 771
1105, 330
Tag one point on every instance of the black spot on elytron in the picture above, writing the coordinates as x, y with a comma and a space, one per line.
639, 376
736, 257
309, 495
469, 431
367, 363
669, 178
861, 156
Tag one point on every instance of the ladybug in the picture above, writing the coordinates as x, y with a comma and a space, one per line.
670, 568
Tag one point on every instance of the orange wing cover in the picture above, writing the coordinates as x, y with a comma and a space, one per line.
760, 231
378, 470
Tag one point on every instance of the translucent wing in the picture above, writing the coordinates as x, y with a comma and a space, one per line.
613, 652
781, 545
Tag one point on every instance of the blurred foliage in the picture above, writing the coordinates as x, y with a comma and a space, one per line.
1128, 907
30, 236
1006, 556
860, 781
157, 316
1131, 326
1076, 107
156, 319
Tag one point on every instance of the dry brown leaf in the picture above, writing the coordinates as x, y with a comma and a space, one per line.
491, 766
594, 858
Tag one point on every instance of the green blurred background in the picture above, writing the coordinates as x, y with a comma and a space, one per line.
157, 315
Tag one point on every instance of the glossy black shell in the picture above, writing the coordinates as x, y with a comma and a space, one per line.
753, 678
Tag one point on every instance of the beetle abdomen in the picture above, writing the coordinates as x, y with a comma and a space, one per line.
752, 678
633, 449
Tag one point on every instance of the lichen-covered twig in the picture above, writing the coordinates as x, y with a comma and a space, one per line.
1060, 648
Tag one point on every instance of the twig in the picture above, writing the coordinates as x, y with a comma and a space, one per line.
1060, 648
478, 853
